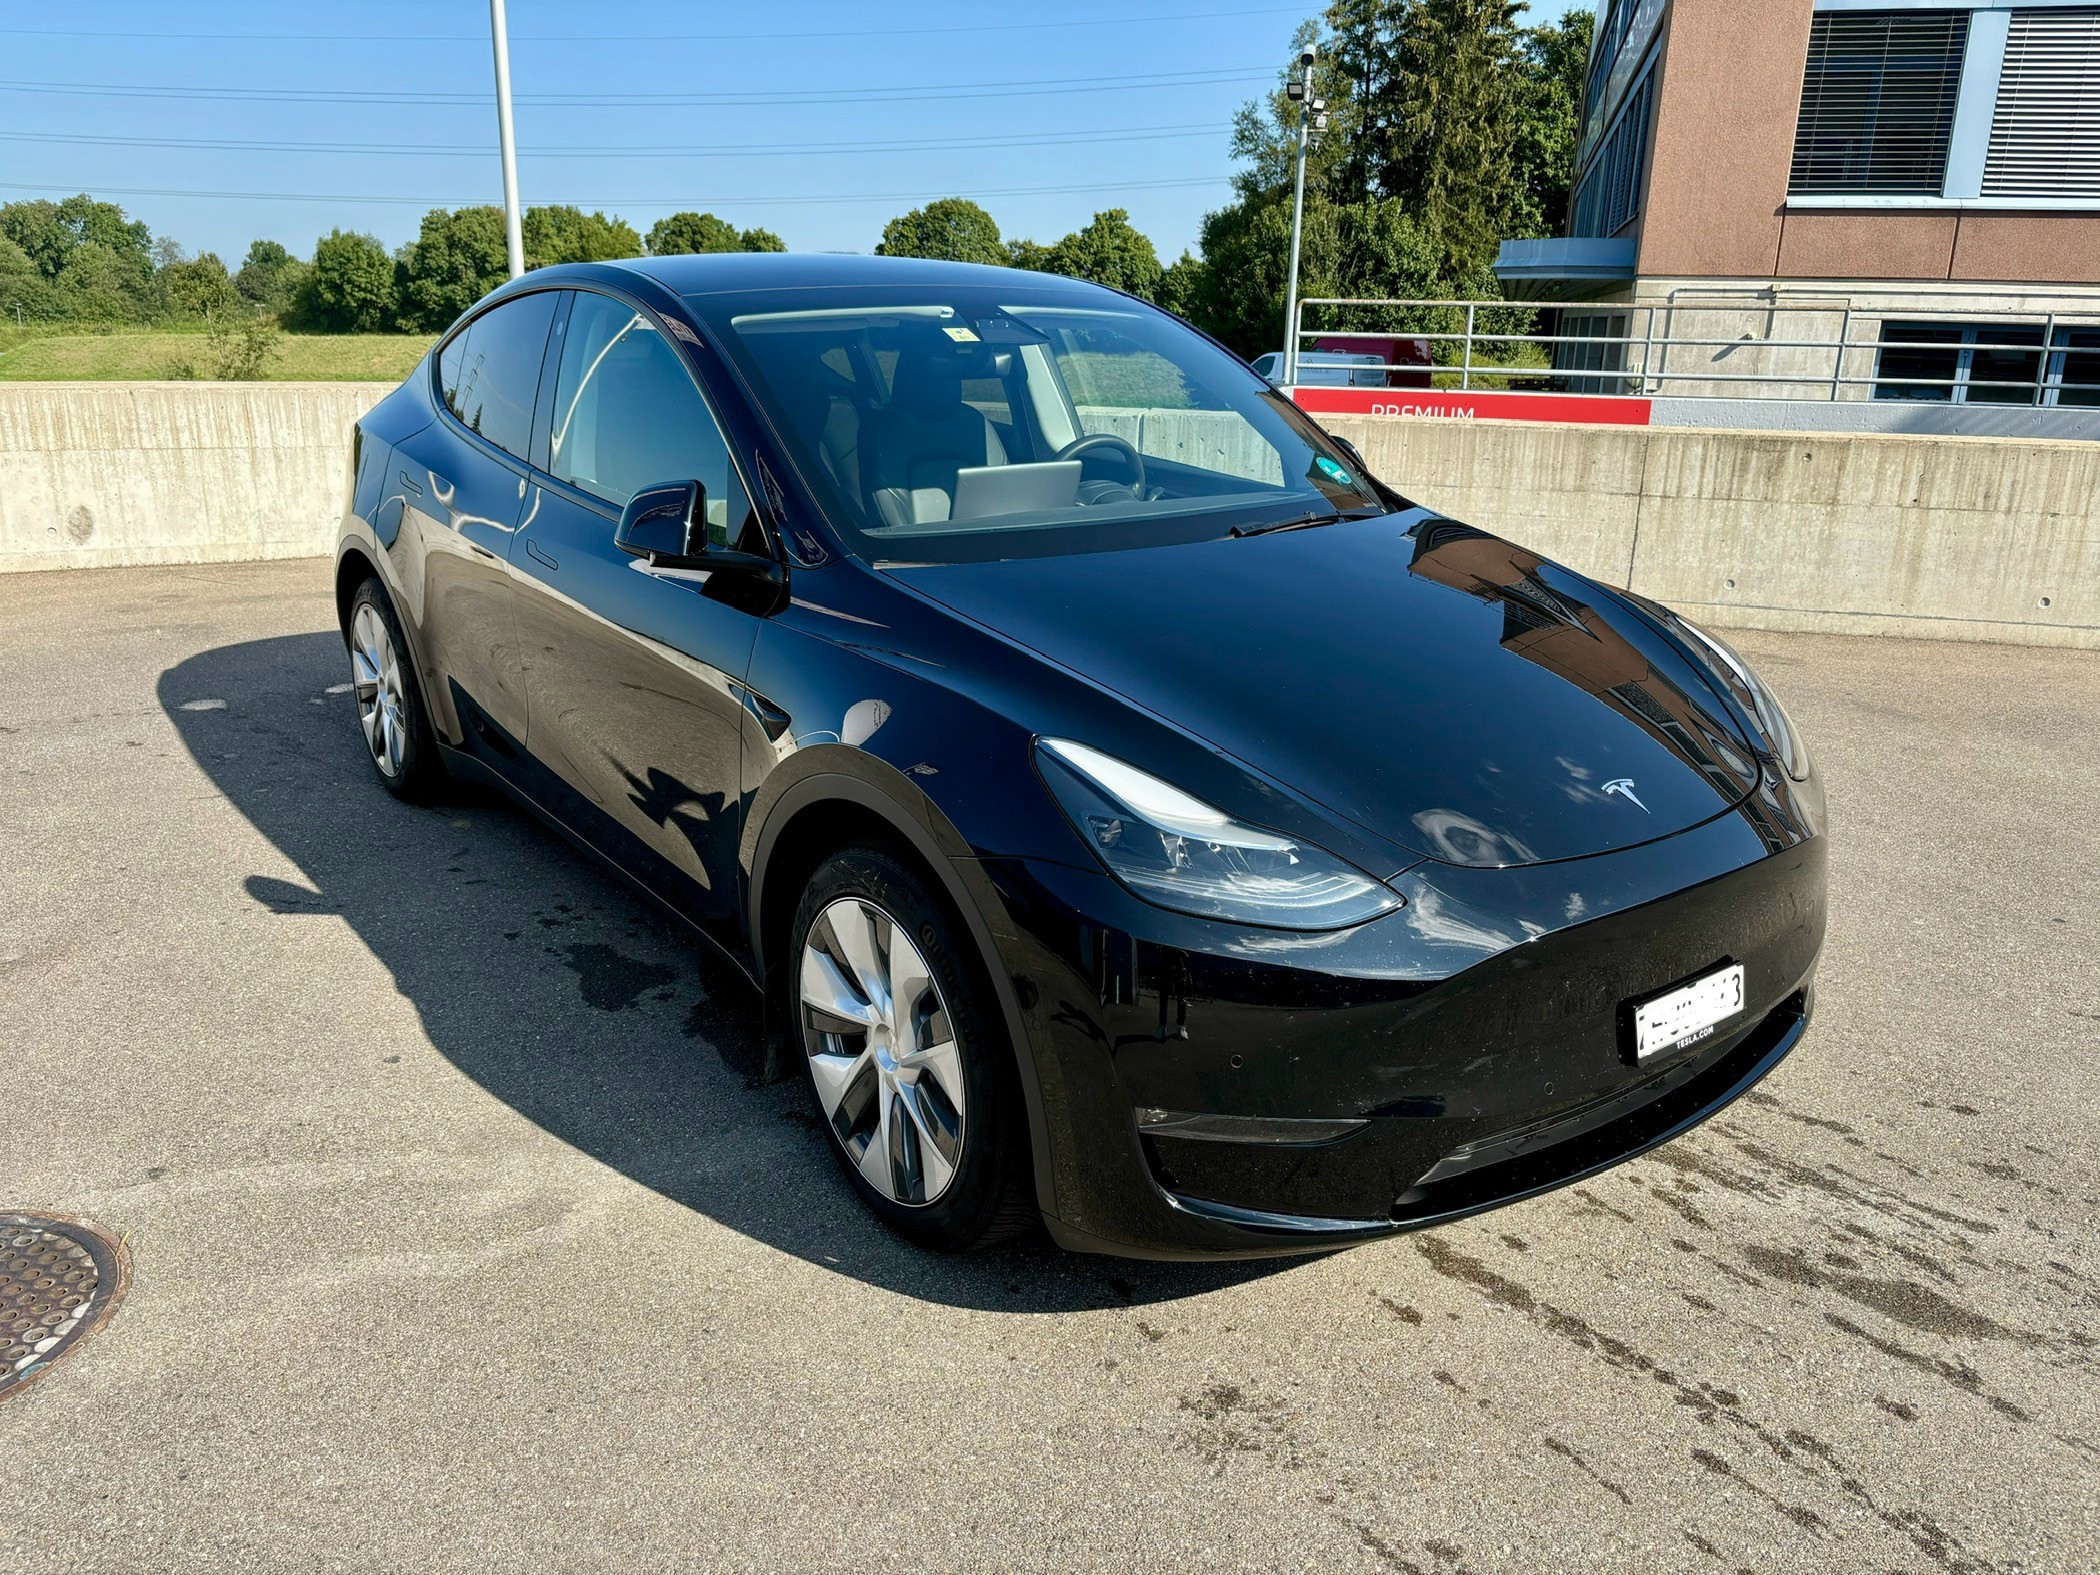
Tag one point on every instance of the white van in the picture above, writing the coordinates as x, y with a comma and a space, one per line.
1326, 369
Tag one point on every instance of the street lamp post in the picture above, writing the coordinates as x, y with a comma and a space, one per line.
1312, 121
513, 225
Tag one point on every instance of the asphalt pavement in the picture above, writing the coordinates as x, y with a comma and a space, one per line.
463, 1238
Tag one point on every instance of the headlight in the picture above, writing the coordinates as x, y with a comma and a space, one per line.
1180, 853
1754, 694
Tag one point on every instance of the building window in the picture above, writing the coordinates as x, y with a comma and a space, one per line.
1610, 26
1592, 357
1989, 364
1877, 105
2045, 134
1609, 196
2074, 368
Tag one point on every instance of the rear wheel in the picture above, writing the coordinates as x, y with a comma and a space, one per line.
912, 1078
398, 738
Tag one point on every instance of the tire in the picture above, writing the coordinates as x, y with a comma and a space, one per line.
399, 741
934, 1142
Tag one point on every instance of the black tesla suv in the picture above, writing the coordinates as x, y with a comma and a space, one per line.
1137, 817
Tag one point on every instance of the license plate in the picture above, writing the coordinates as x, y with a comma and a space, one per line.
1687, 1014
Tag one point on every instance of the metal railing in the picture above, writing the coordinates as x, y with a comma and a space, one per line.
1659, 353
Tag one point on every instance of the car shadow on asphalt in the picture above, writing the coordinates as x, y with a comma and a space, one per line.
561, 991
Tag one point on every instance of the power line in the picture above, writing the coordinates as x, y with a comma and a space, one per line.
658, 38
777, 150
686, 199
1037, 87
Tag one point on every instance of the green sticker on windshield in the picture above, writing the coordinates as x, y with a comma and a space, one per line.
1334, 472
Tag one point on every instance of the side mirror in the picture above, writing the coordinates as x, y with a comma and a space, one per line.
658, 524
667, 524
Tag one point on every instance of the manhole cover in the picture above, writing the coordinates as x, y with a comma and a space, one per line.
58, 1279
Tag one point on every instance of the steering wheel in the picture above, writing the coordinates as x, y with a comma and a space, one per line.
1088, 442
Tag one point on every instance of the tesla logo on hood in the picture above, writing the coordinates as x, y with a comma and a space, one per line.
1624, 786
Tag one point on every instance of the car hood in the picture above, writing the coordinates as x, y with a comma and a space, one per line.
1455, 694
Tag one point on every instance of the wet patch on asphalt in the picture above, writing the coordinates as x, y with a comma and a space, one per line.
1890, 1266
612, 981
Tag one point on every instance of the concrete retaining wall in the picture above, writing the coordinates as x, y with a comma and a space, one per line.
1951, 538
1939, 538
98, 474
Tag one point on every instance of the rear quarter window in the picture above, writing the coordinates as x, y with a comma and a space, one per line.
494, 384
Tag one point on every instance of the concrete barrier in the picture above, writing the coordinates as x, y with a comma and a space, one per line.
1988, 539
98, 474
1951, 538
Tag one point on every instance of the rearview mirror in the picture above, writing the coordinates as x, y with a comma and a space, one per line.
658, 523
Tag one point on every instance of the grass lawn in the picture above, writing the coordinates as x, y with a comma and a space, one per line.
45, 355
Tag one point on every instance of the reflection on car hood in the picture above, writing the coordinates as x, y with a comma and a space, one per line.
1453, 693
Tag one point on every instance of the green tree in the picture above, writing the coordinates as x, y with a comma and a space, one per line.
34, 227
1452, 129
1031, 255
23, 290
691, 234
1111, 251
49, 232
97, 285
1365, 74
103, 224
954, 229
270, 276
456, 259
351, 286
688, 234
1549, 115
1238, 294
1465, 64
199, 287
1182, 284
561, 234
93, 264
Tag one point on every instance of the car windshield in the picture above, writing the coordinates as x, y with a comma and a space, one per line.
951, 425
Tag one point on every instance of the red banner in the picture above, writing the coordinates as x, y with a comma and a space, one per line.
1449, 404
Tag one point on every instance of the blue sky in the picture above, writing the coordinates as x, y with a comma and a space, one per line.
818, 119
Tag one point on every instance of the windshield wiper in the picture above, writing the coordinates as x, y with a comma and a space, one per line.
1304, 522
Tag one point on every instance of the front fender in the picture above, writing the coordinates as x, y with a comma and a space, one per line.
841, 774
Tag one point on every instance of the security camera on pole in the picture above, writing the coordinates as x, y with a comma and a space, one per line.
1312, 125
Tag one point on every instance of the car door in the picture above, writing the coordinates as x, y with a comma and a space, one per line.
632, 671
463, 481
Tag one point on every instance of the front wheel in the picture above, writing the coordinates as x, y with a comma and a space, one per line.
910, 1069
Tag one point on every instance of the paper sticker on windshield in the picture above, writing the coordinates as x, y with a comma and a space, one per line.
1332, 471
962, 336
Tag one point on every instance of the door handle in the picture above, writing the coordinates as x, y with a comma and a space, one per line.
533, 548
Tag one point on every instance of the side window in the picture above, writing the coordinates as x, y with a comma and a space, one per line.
450, 360
627, 416
497, 381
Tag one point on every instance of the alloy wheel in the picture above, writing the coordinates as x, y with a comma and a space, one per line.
375, 673
882, 1052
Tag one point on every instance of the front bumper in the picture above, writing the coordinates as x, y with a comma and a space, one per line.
1470, 1050
1507, 1167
